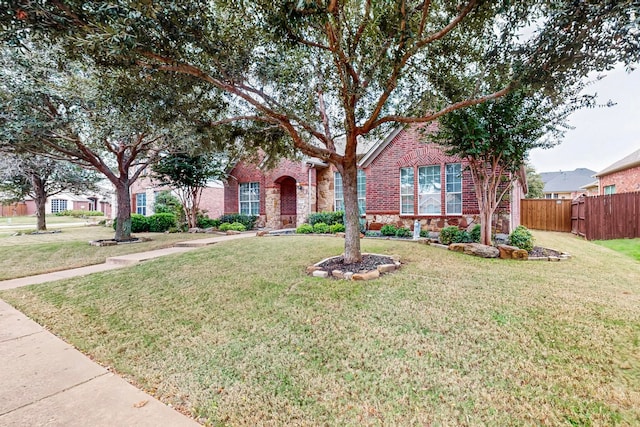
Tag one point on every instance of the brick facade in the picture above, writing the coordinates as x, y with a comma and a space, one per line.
287, 192
211, 201
382, 189
626, 181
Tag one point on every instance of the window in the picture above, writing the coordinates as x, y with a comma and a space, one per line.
429, 190
141, 203
58, 205
338, 191
453, 180
406, 191
609, 189
250, 198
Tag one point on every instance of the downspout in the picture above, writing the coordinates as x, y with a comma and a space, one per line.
310, 166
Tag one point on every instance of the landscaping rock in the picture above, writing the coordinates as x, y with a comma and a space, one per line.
320, 273
386, 268
196, 230
340, 235
262, 233
312, 268
369, 275
512, 252
232, 232
457, 247
338, 274
501, 239
480, 250
348, 275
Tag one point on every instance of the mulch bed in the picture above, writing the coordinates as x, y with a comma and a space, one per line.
368, 263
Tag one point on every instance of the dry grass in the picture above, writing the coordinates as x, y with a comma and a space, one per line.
238, 335
27, 255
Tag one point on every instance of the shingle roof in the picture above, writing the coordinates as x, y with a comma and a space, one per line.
630, 161
566, 181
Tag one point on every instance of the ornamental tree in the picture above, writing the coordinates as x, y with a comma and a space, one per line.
325, 71
495, 138
188, 174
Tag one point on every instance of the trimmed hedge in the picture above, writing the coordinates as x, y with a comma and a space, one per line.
304, 229
236, 226
79, 213
249, 221
161, 222
328, 218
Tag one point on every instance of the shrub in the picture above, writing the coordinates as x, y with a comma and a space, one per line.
161, 222
403, 232
474, 235
424, 233
205, 222
336, 228
388, 230
320, 228
249, 221
139, 223
304, 229
79, 213
236, 226
328, 218
174, 230
522, 238
451, 234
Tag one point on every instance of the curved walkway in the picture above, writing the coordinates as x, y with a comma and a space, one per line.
46, 381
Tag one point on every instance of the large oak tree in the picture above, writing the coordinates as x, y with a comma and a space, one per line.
323, 70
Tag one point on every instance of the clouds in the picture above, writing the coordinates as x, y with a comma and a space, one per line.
601, 135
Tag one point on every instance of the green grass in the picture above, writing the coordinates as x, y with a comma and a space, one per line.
629, 247
50, 220
28, 255
237, 334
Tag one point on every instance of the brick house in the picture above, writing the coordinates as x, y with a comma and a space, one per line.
400, 179
622, 176
144, 191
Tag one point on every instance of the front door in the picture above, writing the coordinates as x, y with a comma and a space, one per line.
288, 202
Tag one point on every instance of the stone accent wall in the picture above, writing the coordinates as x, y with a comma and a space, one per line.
272, 208
325, 190
626, 181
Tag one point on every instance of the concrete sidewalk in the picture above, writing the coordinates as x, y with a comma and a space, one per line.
46, 382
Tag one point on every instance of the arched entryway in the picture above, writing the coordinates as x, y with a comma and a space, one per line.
288, 201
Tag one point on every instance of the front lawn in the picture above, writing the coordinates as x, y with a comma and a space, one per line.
630, 247
236, 334
31, 254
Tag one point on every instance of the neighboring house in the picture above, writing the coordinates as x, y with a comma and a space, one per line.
144, 192
621, 177
400, 179
566, 184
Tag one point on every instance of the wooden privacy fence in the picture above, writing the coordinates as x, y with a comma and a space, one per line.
546, 214
615, 216
16, 209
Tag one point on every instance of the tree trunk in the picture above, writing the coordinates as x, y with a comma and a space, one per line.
485, 225
40, 199
352, 251
123, 215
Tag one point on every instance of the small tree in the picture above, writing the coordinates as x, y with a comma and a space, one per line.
40, 178
188, 175
495, 137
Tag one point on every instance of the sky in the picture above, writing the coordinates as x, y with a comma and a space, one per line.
601, 136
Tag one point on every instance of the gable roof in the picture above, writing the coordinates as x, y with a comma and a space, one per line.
378, 146
566, 181
627, 162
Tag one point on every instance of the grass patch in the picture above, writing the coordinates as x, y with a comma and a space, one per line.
629, 247
236, 334
50, 220
28, 255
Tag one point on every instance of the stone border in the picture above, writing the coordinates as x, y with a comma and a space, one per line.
316, 271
